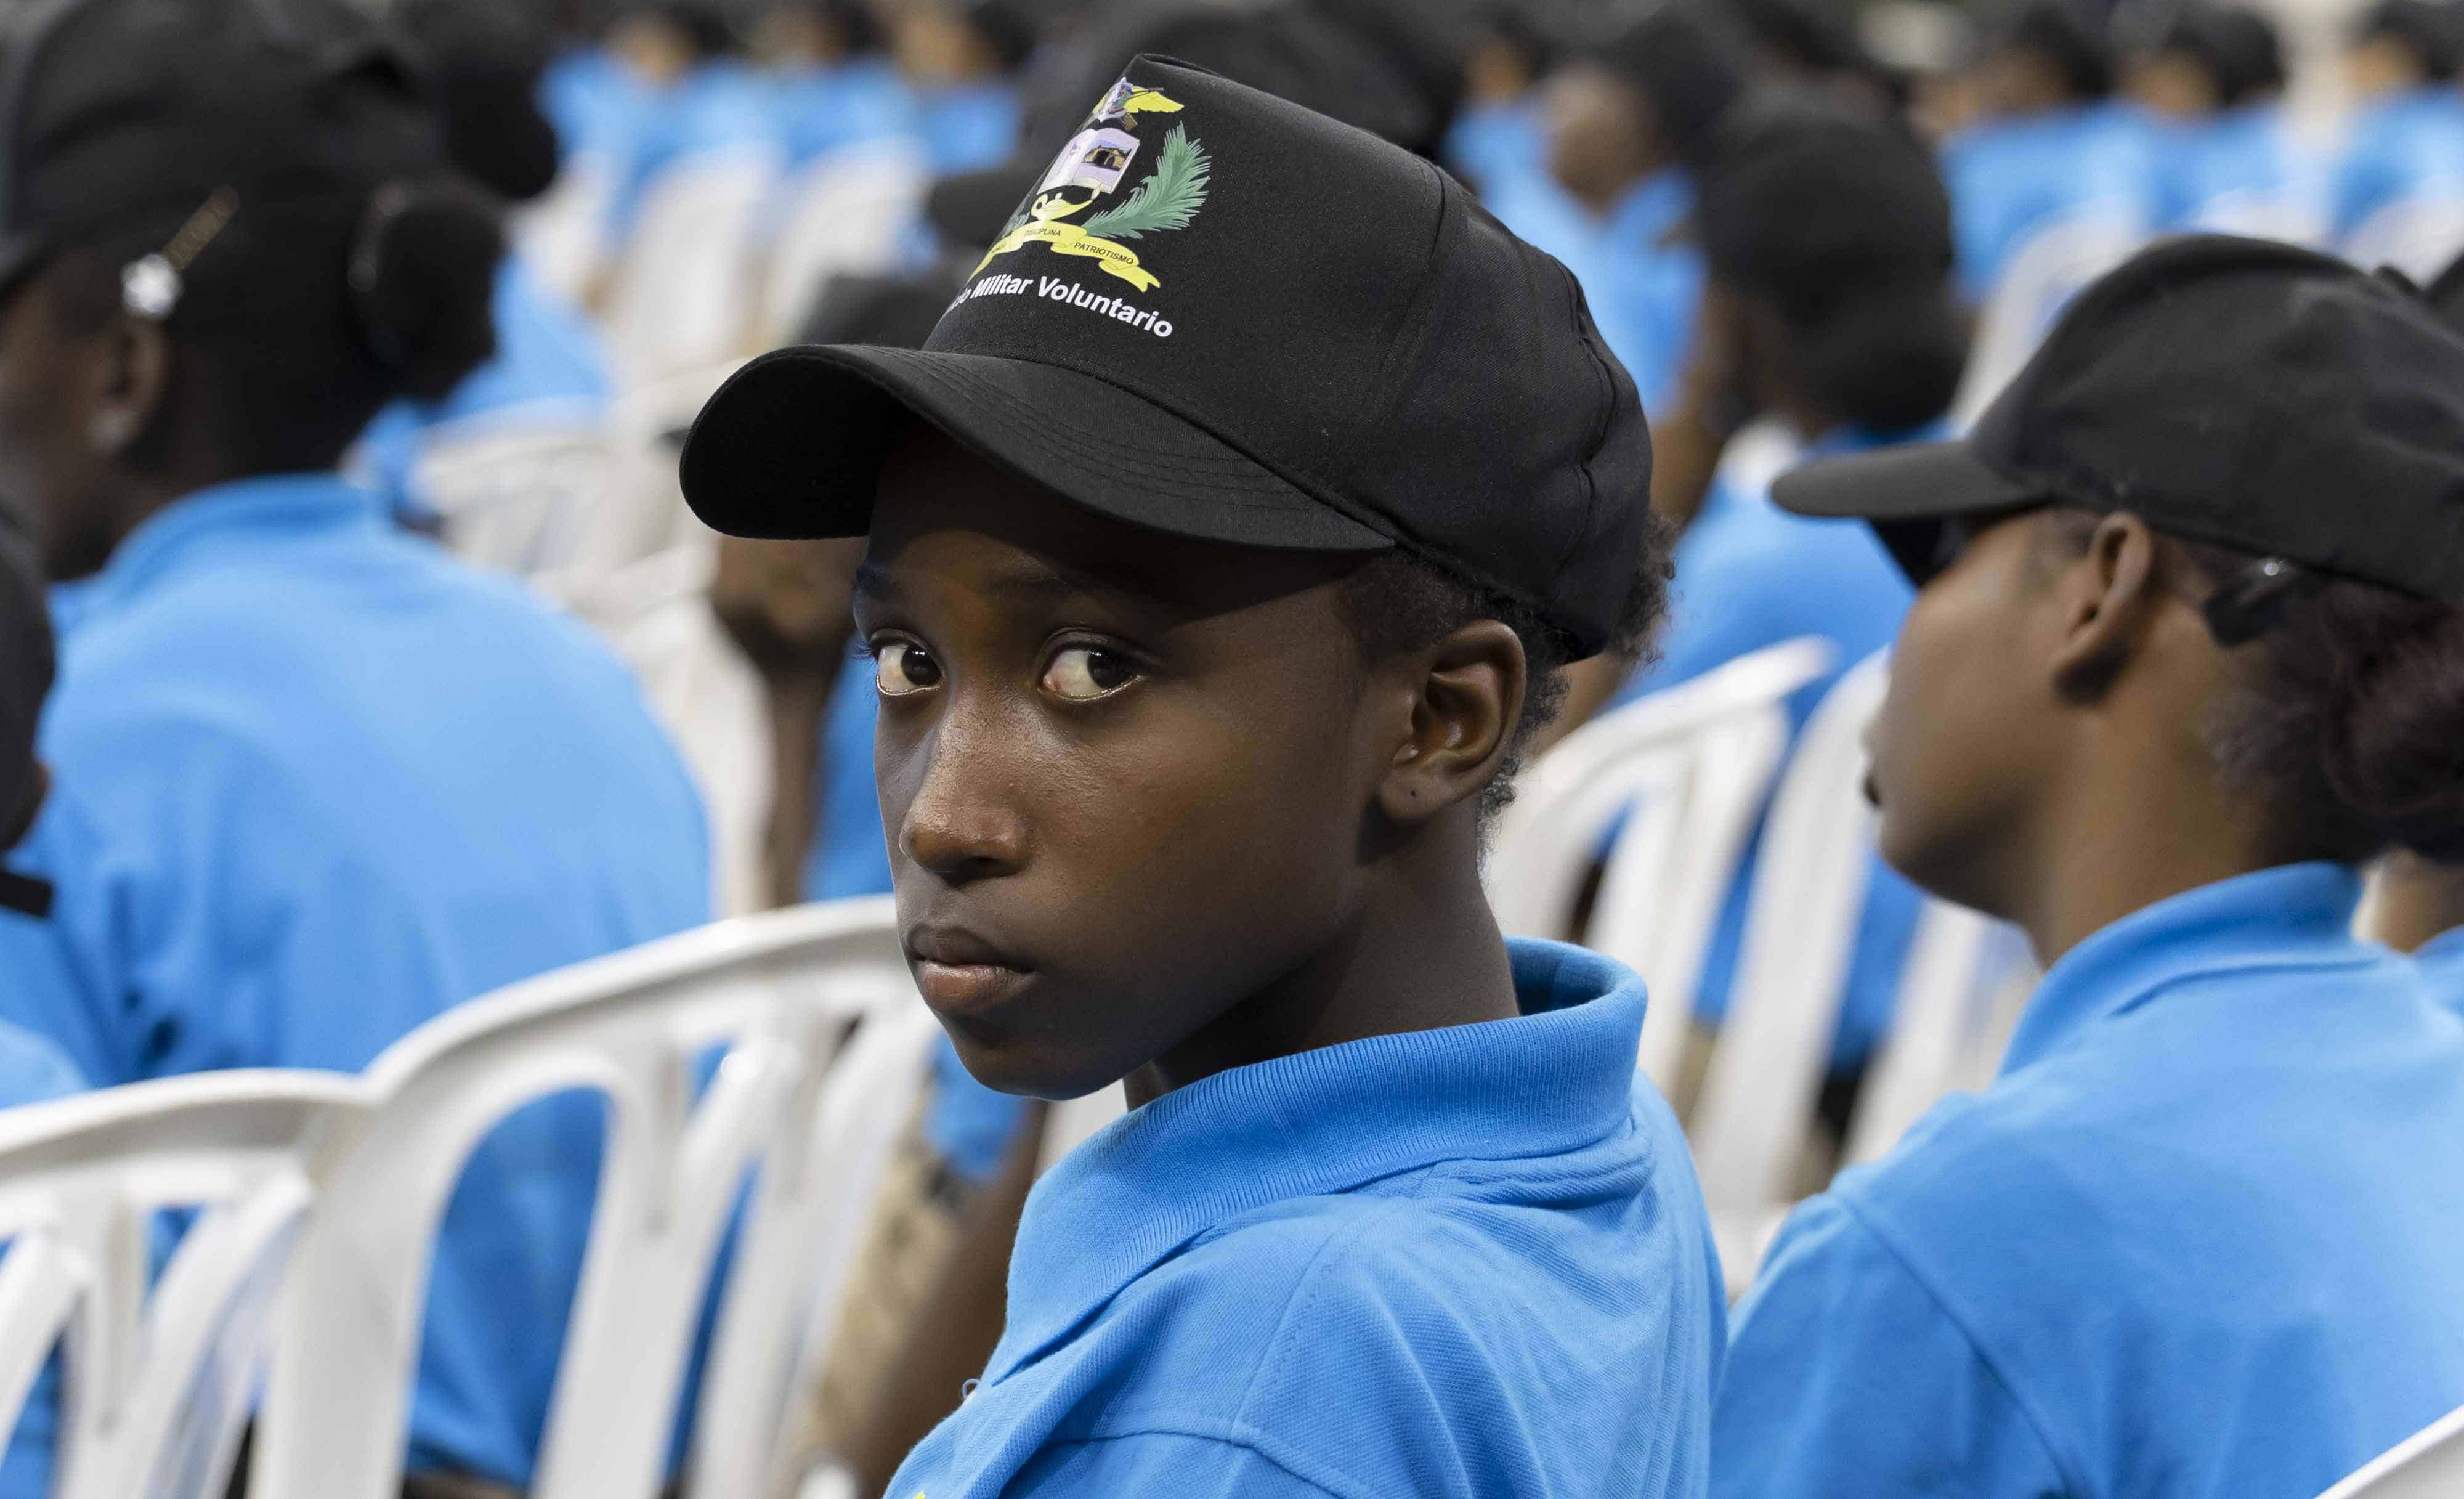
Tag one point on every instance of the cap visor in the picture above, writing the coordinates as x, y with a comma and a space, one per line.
793, 447
1906, 493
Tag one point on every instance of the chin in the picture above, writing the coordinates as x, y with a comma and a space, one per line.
1032, 1069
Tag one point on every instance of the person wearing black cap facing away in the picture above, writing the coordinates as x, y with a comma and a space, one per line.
2051, 164
2397, 193
316, 782
1629, 119
31, 1069
1831, 307
2185, 653
1224, 544
2208, 78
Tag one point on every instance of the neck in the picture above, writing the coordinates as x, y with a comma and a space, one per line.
2120, 840
1425, 954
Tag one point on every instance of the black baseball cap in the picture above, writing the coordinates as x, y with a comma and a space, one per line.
1691, 69
1809, 199
114, 112
1225, 316
2239, 392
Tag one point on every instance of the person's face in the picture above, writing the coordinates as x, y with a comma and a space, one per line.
1124, 775
1961, 743
1600, 134
2174, 87
2013, 83
66, 408
1496, 71
653, 48
2377, 66
798, 36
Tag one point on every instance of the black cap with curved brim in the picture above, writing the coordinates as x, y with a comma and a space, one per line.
1221, 316
2233, 391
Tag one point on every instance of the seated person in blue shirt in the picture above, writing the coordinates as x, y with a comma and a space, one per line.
2049, 153
695, 97
1501, 133
1832, 307
484, 69
835, 83
31, 1069
2188, 649
1806, 44
2396, 196
1627, 120
1210, 604
2210, 82
958, 60
316, 782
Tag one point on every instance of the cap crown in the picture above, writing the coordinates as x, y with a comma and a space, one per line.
2253, 395
1339, 312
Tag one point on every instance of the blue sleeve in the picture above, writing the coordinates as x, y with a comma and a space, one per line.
1163, 1463
60, 974
1846, 1376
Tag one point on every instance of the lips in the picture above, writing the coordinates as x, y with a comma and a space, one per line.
961, 974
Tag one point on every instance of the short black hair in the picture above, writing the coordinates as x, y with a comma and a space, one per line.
2064, 34
2433, 31
2239, 49
1401, 602
2346, 717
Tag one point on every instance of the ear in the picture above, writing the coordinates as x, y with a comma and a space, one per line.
2109, 599
128, 368
1467, 703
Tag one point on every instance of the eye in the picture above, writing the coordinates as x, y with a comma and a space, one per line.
1081, 674
902, 669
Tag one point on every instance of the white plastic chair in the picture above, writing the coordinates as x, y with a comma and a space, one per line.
843, 216
1793, 967
2419, 235
1688, 769
779, 992
2054, 265
563, 235
521, 496
2430, 1466
155, 1387
685, 291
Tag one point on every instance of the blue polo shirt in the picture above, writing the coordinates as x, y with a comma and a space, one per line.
317, 782
2202, 1238
821, 110
32, 1071
1463, 1262
1750, 576
2236, 173
967, 127
2012, 179
2404, 148
2442, 964
717, 107
1496, 142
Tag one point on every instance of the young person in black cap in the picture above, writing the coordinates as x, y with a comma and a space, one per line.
31, 1069
2183, 658
1629, 120
1832, 307
2397, 193
1224, 543
2208, 78
317, 783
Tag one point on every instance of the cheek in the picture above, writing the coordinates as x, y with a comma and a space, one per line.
1947, 719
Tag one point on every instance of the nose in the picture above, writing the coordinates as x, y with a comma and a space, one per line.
962, 825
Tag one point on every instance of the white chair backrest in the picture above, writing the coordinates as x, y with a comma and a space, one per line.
155, 1388
563, 235
778, 993
844, 216
1793, 967
2419, 235
520, 496
684, 294
2430, 1466
1688, 770
2055, 264
708, 697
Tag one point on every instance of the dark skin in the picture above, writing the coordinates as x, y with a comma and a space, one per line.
1603, 135
2039, 755
1151, 817
103, 420
2417, 902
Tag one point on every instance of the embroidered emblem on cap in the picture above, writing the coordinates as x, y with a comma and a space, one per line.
1094, 162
